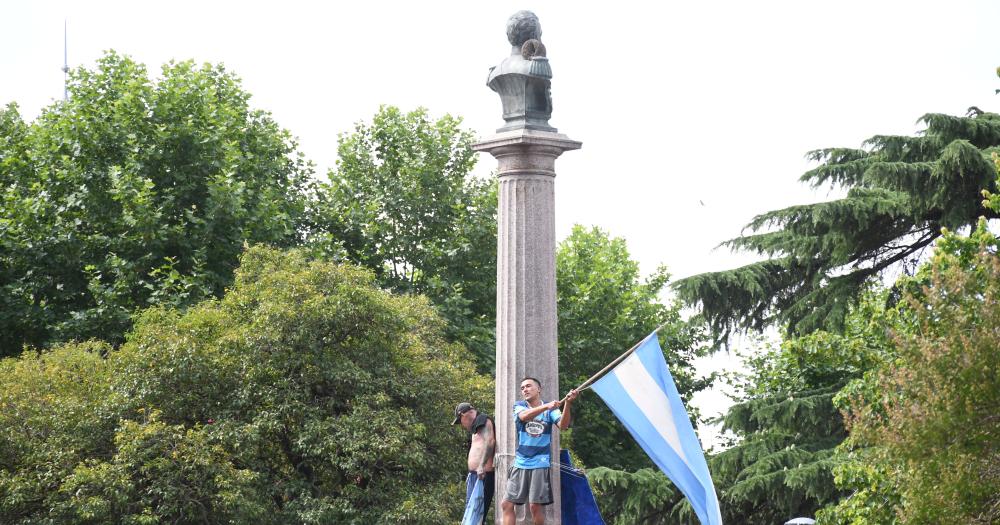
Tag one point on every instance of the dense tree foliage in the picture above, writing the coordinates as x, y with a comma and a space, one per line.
642, 497
402, 202
306, 394
900, 192
605, 307
786, 427
925, 438
133, 193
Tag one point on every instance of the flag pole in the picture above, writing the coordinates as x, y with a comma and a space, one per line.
586, 384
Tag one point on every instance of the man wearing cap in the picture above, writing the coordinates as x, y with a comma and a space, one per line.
529, 478
483, 443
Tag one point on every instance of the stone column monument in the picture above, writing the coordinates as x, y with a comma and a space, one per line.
526, 148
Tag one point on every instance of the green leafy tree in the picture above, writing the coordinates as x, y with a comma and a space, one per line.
925, 440
50, 419
900, 192
871, 493
305, 394
786, 427
643, 497
402, 203
605, 307
135, 192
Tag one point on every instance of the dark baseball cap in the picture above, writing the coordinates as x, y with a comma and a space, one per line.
460, 409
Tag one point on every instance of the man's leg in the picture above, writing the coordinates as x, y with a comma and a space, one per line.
507, 507
537, 513
541, 492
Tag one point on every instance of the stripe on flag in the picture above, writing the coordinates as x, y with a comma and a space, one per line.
642, 395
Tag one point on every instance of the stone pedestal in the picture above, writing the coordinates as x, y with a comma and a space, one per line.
526, 287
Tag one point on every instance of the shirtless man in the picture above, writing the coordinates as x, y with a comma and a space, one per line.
480, 460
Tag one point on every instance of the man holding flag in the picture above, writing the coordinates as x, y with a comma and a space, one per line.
529, 477
639, 390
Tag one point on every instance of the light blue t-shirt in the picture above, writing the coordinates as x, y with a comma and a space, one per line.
534, 437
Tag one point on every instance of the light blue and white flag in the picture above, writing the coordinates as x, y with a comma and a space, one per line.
474, 501
642, 394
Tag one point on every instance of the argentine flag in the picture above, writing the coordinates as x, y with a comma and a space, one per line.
474, 506
642, 394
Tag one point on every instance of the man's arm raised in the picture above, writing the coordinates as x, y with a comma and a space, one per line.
567, 417
530, 412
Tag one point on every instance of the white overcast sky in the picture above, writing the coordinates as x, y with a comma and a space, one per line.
694, 116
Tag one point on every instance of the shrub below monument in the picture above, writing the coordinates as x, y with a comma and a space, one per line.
304, 395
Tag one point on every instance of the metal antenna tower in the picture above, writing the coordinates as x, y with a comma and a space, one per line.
65, 68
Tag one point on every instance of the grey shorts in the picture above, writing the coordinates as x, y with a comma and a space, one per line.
528, 486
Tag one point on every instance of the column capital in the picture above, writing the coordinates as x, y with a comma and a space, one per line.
527, 137
527, 151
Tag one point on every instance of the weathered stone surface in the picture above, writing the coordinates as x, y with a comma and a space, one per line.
526, 285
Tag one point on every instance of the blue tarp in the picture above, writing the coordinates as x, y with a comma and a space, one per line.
578, 504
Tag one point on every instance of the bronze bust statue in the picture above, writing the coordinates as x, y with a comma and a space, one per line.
523, 80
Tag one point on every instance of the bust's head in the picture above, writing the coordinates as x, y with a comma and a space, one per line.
523, 26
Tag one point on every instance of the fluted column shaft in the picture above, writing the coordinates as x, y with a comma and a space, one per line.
526, 287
